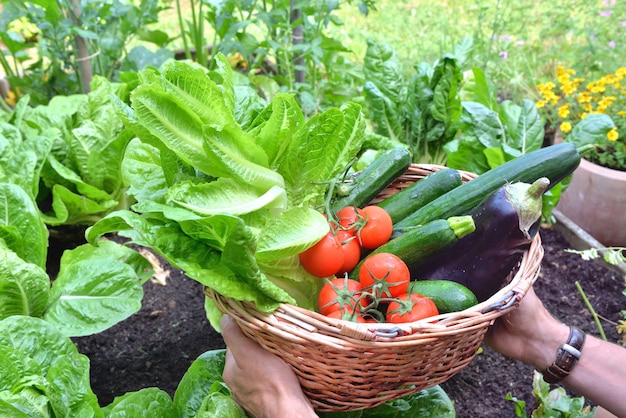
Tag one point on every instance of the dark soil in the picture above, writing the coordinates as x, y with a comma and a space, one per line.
156, 346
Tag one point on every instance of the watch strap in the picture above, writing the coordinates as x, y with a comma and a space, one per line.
567, 356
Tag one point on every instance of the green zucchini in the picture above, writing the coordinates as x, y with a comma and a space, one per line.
374, 178
554, 162
418, 194
449, 296
421, 242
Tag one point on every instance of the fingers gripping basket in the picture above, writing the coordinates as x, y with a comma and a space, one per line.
345, 366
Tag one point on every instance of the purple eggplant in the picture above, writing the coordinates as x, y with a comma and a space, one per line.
506, 222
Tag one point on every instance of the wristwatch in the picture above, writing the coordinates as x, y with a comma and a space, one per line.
567, 356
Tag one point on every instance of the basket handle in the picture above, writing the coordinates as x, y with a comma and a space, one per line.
508, 300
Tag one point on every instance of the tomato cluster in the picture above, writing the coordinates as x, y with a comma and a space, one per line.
351, 230
379, 293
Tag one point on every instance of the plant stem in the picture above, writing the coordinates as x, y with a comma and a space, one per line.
182, 30
591, 310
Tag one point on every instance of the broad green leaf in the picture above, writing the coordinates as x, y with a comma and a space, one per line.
477, 88
74, 179
290, 233
212, 103
310, 159
168, 118
71, 395
289, 275
446, 105
27, 403
281, 119
24, 286
384, 112
216, 150
121, 221
383, 68
483, 123
219, 405
112, 251
527, 134
141, 169
73, 208
49, 365
248, 106
197, 382
212, 230
429, 403
232, 153
467, 155
92, 295
232, 273
352, 134
225, 196
591, 130
145, 403
21, 225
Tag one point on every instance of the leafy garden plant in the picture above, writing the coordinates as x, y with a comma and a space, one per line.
55, 47
551, 403
283, 46
569, 102
67, 155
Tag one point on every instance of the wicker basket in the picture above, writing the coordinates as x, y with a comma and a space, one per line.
347, 366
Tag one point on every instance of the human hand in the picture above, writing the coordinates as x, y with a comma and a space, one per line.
261, 382
528, 333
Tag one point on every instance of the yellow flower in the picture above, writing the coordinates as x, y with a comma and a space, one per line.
564, 111
541, 103
612, 135
11, 99
584, 97
566, 127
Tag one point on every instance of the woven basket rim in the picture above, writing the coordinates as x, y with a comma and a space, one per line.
287, 317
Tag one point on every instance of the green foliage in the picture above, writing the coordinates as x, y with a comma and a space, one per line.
232, 205
517, 43
45, 374
67, 155
75, 40
554, 403
284, 46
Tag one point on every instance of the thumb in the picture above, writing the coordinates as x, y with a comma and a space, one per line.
232, 335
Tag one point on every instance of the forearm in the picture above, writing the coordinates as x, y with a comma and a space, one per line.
597, 376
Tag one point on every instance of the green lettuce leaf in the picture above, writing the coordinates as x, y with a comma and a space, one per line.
24, 286
21, 226
145, 403
46, 371
225, 195
92, 294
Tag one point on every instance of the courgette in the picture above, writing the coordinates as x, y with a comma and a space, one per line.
554, 162
448, 296
374, 178
406, 201
418, 243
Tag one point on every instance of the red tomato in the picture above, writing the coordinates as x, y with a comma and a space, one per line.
384, 275
346, 316
350, 218
351, 251
377, 228
410, 307
324, 258
342, 295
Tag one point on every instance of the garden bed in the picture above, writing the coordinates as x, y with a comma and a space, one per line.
156, 346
